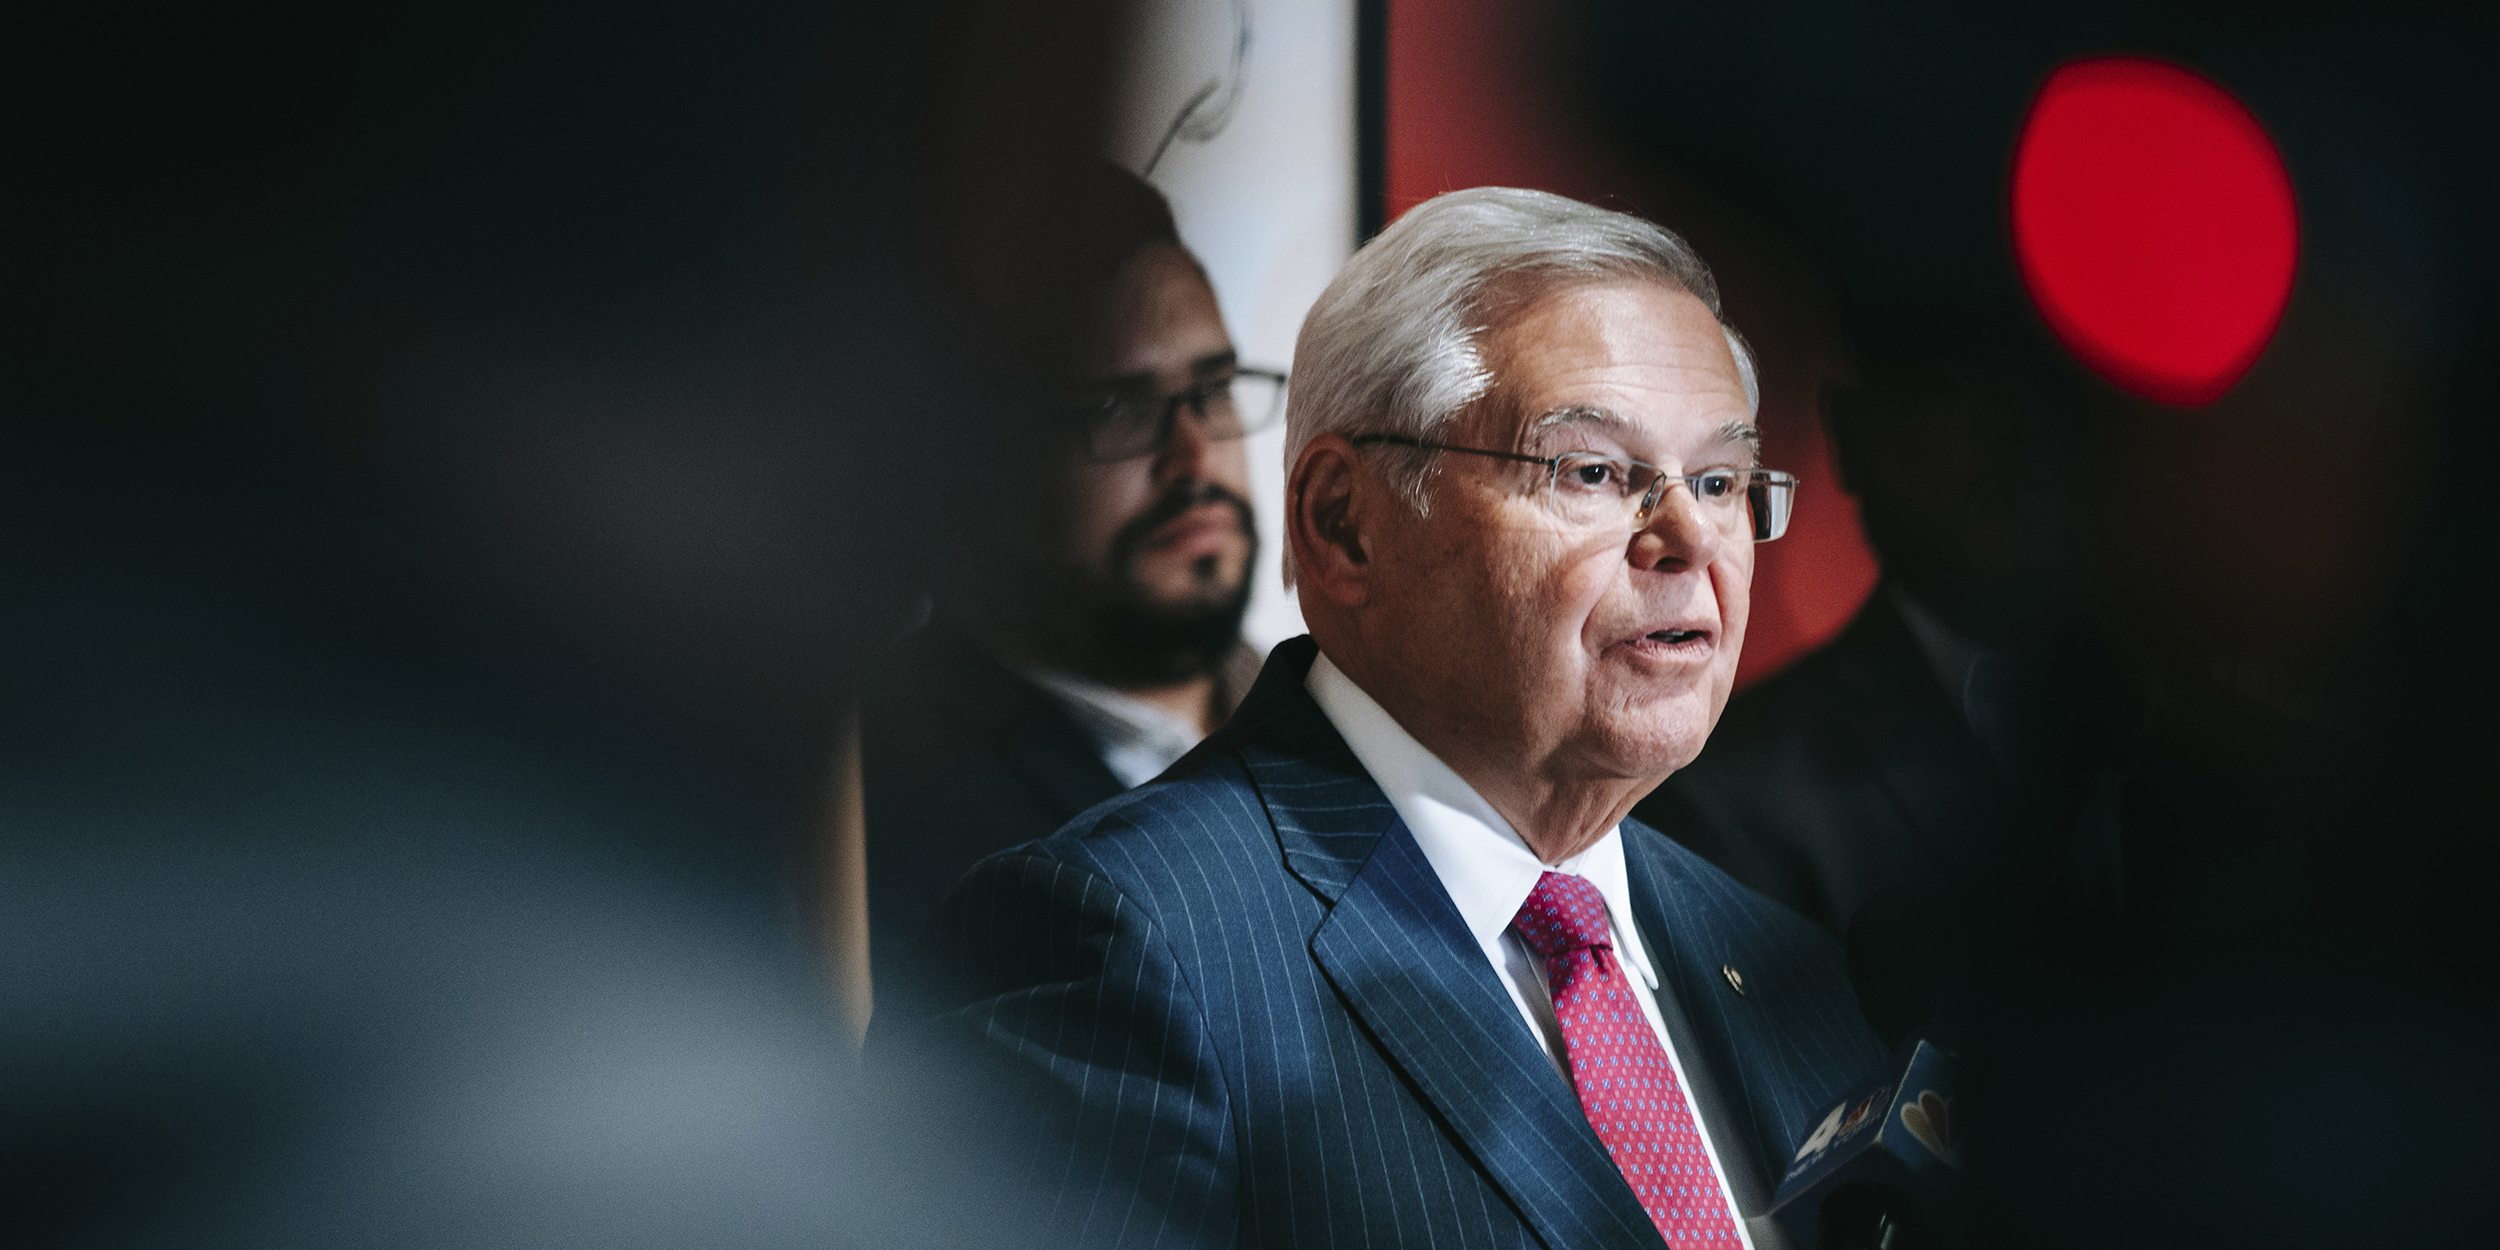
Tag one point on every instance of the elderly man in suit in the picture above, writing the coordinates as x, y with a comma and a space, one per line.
1382, 962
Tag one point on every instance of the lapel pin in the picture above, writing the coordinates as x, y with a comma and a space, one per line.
1735, 979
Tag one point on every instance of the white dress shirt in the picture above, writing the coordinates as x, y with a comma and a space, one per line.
1136, 739
1489, 871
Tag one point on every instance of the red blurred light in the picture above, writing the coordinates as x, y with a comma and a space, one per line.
2154, 224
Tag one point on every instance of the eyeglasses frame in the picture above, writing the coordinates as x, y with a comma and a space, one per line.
1764, 479
1196, 398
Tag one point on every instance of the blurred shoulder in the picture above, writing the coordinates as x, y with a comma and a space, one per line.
1700, 891
1873, 671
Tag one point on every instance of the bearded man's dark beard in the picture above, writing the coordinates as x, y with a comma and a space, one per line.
1132, 640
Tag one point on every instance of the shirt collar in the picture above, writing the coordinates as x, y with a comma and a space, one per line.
1483, 863
1138, 740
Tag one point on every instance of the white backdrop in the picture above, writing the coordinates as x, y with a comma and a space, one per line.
1262, 181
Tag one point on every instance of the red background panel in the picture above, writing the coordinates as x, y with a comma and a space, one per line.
1476, 96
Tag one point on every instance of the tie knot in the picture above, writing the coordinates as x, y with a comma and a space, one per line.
1563, 913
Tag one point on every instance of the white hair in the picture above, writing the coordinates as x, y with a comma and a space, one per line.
1394, 345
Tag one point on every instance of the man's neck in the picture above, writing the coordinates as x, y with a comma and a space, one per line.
1190, 702
1558, 817
1559, 811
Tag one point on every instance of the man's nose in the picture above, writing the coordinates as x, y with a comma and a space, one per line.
1680, 534
1183, 455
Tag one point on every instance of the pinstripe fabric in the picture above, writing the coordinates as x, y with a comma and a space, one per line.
1235, 1007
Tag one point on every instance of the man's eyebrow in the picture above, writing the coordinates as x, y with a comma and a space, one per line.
1578, 414
1120, 382
1745, 432
1206, 366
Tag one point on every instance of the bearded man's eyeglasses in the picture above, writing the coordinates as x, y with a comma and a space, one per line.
1123, 426
1590, 491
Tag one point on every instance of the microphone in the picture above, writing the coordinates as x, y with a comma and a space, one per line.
1881, 1170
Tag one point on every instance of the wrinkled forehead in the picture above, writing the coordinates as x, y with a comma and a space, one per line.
1645, 367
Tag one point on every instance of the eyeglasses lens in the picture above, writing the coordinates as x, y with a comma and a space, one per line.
1127, 426
1256, 401
1600, 492
1122, 428
1770, 498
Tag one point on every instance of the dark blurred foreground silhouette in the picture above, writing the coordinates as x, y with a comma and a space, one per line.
456, 454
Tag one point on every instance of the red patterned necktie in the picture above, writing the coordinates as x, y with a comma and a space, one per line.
1627, 1088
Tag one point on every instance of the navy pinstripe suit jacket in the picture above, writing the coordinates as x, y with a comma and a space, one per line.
1236, 1007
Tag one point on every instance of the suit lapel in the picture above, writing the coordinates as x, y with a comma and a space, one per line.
1398, 955
1405, 965
1327, 813
1686, 981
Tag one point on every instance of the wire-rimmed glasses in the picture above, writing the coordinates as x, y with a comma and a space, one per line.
1592, 491
1124, 426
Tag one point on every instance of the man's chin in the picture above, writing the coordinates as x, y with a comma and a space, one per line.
1172, 613
1184, 597
1167, 582
1658, 739
1148, 640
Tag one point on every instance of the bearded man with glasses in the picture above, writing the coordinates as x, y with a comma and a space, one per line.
1094, 635
1382, 962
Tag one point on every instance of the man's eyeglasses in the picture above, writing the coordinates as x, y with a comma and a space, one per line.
1120, 426
1589, 491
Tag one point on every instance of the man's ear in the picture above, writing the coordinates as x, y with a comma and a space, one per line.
1330, 497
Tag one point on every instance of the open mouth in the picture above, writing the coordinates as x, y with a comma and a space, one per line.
1670, 645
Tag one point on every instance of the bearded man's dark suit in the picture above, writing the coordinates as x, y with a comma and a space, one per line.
962, 758
1236, 1006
